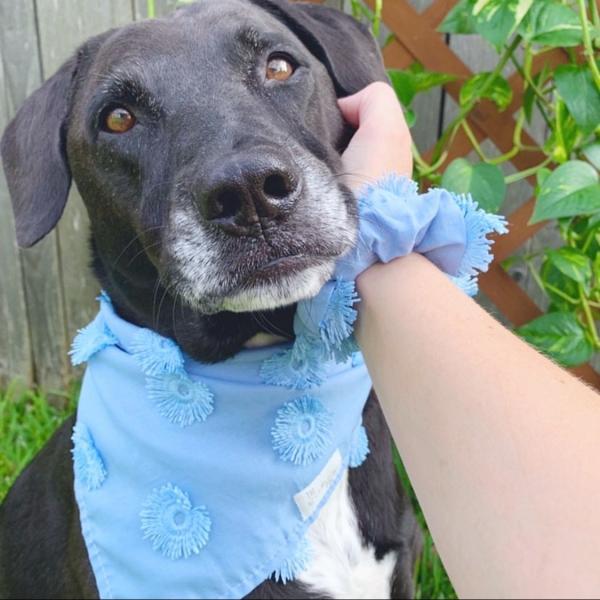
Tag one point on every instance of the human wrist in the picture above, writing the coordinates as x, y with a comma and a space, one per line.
382, 275
401, 287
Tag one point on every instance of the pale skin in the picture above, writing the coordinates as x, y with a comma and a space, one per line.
501, 445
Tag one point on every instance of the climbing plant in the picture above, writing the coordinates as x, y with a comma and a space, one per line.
567, 185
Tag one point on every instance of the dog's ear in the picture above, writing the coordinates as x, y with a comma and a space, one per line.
342, 44
34, 157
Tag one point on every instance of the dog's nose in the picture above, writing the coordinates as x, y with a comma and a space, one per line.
245, 191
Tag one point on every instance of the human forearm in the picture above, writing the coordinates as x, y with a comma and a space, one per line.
500, 444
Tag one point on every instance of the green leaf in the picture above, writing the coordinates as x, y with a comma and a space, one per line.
564, 135
424, 80
360, 12
577, 88
410, 116
559, 335
558, 287
496, 20
484, 182
542, 175
590, 238
596, 270
479, 6
570, 190
499, 90
582, 202
460, 19
414, 80
529, 96
585, 201
528, 100
388, 40
572, 263
404, 85
552, 24
592, 153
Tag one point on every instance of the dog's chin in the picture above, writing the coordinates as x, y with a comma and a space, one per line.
273, 287
269, 294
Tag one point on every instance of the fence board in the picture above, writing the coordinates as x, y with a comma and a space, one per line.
15, 82
427, 108
76, 21
41, 273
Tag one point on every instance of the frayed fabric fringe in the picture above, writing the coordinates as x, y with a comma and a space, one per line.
296, 564
478, 255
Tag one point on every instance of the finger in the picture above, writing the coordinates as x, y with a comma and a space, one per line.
370, 104
350, 107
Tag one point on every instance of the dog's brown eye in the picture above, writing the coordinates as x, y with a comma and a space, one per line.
118, 120
279, 68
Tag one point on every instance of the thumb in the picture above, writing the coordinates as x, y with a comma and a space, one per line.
382, 142
377, 103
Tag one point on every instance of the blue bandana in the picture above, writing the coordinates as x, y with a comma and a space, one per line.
200, 481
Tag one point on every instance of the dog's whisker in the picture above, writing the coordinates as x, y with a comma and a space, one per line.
155, 292
135, 237
173, 309
263, 321
165, 294
357, 177
143, 251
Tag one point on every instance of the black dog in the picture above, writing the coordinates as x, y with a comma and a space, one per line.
206, 147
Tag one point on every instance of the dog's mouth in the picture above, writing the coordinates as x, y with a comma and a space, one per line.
279, 283
247, 277
276, 270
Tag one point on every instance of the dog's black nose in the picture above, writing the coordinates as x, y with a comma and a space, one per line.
247, 190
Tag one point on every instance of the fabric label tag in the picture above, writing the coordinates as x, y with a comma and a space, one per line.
309, 498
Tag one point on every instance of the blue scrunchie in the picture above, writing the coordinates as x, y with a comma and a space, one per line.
395, 220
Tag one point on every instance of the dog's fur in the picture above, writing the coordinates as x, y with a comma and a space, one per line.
189, 240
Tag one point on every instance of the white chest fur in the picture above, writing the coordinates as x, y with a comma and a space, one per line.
343, 566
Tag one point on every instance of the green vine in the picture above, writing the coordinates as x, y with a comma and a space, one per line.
567, 99
587, 42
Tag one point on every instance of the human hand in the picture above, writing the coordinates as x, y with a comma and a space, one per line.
382, 142
395, 220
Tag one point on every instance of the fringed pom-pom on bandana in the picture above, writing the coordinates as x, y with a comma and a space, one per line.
201, 481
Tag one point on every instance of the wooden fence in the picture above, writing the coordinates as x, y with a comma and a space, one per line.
47, 292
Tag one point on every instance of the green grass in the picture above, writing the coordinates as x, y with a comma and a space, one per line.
27, 420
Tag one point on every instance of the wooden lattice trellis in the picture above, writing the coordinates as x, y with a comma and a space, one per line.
416, 39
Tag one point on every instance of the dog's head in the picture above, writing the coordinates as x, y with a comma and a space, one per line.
206, 149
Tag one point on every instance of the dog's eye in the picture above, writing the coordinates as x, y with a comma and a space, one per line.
117, 119
279, 68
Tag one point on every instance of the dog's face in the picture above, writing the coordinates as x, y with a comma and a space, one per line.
221, 156
206, 149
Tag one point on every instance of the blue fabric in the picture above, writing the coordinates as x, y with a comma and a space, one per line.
395, 220
200, 481
185, 478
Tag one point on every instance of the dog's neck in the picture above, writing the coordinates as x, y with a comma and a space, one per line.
138, 295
